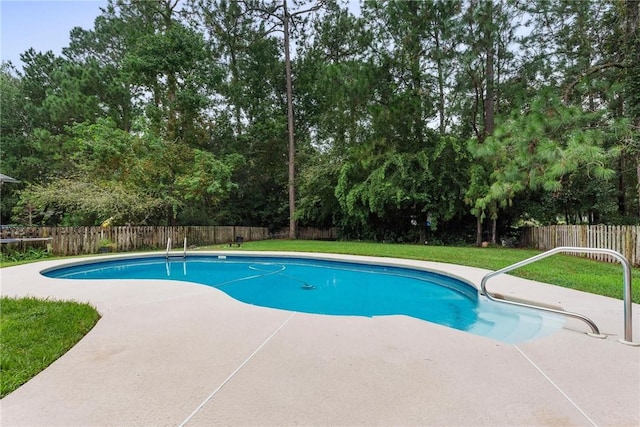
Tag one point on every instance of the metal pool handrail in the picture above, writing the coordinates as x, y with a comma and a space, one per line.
184, 255
626, 272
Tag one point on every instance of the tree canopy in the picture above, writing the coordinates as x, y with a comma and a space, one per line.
472, 116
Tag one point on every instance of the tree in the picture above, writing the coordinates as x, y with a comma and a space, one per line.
37, 82
248, 114
127, 178
279, 13
103, 50
16, 153
170, 62
549, 147
484, 65
333, 81
579, 47
229, 33
631, 52
401, 114
382, 190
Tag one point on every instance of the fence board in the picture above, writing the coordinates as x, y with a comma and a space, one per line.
623, 239
86, 240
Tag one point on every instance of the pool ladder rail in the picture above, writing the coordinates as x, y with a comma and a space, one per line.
595, 332
170, 255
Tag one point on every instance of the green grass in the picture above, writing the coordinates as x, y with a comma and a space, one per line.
573, 272
34, 333
15, 257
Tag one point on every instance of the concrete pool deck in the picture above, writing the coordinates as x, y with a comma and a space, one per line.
171, 353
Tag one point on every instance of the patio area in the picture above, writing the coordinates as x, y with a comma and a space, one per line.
175, 353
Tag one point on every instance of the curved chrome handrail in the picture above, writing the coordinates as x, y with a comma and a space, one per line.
184, 254
626, 267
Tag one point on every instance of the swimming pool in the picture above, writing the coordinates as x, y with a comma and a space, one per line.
331, 287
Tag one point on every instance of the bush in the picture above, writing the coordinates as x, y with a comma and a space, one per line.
29, 254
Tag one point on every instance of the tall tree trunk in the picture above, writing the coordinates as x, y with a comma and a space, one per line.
489, 113
479, 230
415, 50
638, 178
440, 66
292, 146
488, 103
172, 81
234, 82
494, 230
172, 127
622, 188
632, 83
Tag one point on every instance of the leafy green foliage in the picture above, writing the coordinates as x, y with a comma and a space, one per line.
391, 188
74, 202
13, 255
116, 178
175, 112
545, 148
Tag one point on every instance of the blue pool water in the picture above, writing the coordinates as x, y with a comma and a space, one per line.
334, 288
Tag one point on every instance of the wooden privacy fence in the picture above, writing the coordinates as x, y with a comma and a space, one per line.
621, 238
87, 240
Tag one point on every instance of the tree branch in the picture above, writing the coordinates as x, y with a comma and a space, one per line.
317, 6
274, 29
588, 72
268, 12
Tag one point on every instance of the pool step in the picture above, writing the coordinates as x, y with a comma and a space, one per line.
515, 327
527, 301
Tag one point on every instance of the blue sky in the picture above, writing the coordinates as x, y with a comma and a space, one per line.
43, 25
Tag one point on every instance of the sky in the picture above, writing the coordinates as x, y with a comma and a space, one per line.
43, 24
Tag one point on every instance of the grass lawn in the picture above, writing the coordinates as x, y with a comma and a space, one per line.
34, 333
